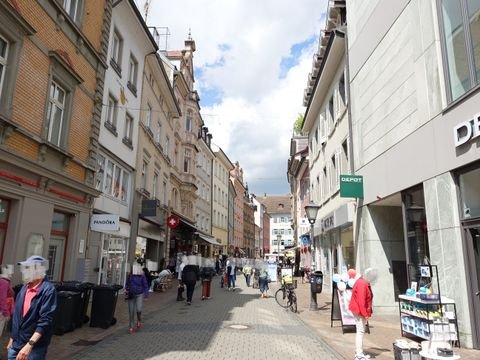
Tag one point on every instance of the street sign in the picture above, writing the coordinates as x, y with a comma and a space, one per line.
351, 186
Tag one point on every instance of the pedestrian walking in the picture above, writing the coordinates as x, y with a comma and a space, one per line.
247, 272
206, 274
136, 289
263, 279
6, 296
361, 307
33, 313
190, 276
232, 273
181, 285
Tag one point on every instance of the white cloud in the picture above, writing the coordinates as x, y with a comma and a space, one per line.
240, 45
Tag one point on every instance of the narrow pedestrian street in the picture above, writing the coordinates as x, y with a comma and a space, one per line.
231, 325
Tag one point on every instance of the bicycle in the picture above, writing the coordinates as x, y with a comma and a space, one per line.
286, 296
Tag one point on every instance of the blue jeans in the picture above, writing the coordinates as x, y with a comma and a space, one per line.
231, 281
37, 353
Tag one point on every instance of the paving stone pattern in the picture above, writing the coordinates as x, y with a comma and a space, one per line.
232, 325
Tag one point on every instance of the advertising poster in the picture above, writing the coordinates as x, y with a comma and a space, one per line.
344, 299
272, 271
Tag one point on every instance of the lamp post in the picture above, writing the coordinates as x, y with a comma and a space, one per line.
312, 211
279, 239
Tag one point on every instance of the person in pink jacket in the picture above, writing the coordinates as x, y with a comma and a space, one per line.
6, 295
361, 307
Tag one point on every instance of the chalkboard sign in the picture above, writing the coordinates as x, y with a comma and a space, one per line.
340, 312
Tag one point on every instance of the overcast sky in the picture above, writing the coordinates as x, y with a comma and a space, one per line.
251, 64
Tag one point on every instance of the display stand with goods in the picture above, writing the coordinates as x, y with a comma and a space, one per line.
426, 314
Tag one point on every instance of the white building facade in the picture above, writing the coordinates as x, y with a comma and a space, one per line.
327, 125
129, 42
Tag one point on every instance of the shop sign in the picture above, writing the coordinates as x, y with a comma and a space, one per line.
466, 131
328, 223
351, 186
149, 207
105, 222
173, 221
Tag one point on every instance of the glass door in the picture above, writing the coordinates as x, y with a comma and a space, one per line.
113, 263
472, 237
55, 254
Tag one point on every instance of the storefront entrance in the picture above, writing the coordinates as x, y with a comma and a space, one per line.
469, 186
472, 244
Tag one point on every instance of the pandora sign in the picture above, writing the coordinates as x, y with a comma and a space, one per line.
467, 130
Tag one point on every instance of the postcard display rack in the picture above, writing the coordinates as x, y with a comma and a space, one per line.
427, 315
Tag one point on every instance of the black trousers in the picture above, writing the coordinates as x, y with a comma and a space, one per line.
190, 289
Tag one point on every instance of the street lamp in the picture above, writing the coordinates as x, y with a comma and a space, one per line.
312, 211
279, 238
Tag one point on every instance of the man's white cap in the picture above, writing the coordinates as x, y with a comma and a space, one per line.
34, 259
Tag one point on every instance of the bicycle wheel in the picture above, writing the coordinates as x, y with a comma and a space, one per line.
293, 302
281, 297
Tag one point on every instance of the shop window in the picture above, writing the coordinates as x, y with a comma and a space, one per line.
114, 259
416, 222
125, 185
57, 245
470, 193
460, 25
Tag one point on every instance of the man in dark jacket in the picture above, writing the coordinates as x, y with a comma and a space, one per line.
33, 314
190, 276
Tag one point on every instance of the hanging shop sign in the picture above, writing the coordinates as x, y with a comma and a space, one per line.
351, 186
105, 222
466, 131
173, 221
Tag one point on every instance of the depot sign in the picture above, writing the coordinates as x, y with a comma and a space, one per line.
351, 186
467, 131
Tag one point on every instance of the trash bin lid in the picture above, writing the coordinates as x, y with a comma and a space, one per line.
106, 287
317, 273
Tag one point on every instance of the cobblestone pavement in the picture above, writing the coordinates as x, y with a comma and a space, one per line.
231, 325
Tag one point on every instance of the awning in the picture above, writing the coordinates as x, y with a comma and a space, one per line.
208, 239
184, 221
